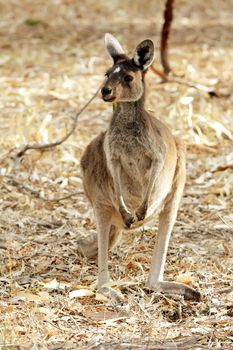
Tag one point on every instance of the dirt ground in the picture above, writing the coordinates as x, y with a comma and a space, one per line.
52, 60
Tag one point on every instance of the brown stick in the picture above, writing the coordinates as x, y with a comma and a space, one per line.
37, 194
168, 16
37, 146
182, 345
165, 33
174, 79
222, 168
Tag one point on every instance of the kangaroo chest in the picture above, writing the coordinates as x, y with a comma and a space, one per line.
131, 146
128, 136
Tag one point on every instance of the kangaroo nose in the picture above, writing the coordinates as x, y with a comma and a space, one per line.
106, 91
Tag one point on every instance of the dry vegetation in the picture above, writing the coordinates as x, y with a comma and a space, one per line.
52, 60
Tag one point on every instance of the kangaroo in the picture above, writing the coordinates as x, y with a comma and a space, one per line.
133, 170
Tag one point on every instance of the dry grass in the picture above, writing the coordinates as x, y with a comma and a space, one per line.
52, 60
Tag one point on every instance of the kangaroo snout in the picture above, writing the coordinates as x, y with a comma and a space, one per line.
107, 94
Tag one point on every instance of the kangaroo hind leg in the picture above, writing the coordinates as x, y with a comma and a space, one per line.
167, 219
88, 246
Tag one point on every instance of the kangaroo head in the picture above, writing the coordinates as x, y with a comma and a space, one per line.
125, 79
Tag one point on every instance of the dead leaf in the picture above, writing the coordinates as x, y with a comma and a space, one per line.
104, 315
80, 293
27, 296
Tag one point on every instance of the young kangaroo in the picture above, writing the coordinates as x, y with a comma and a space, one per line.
133, 170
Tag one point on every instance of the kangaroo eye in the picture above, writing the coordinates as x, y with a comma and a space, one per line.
107, 74
128, 78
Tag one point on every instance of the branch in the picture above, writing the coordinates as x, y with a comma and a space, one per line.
37, 146
165, 76
201, 87
222, 168
174, 79
38, 194
168, 16
182, 345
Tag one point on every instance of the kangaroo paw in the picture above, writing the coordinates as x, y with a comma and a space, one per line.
127, 217
141, 212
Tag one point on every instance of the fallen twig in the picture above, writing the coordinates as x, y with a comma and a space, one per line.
38, 194
167, 75
181, 345
222, 168
174, 79
37, 146
3, 246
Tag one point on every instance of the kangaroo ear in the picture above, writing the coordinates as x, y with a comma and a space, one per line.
144, 54
113, 47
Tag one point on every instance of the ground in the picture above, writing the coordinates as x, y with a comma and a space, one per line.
52, 60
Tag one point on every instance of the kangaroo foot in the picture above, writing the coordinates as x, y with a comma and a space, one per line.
88, 246
176, 288
114, 296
